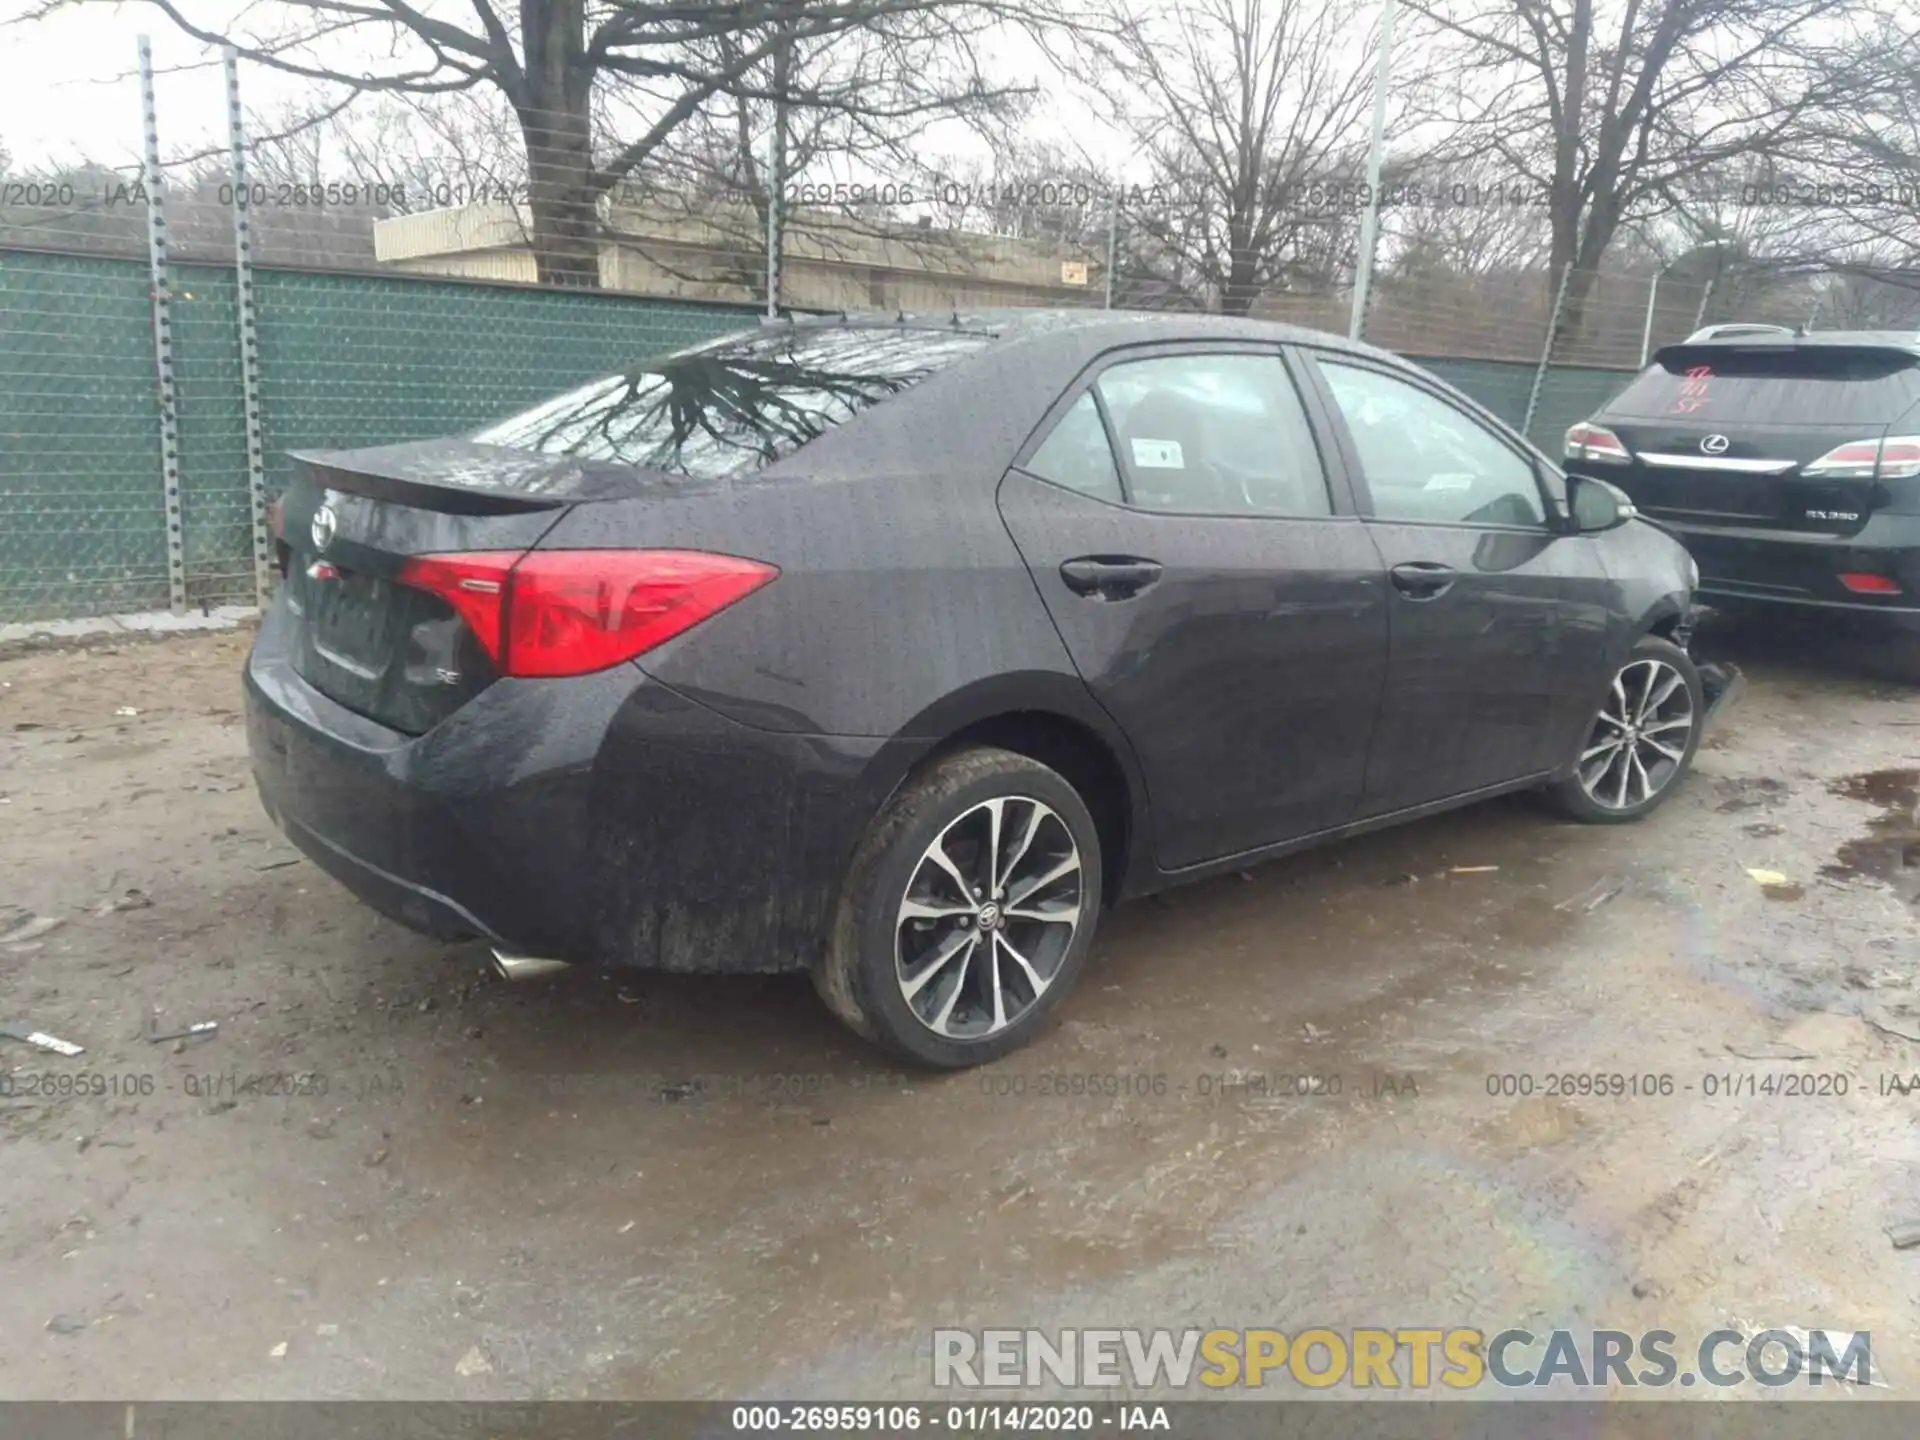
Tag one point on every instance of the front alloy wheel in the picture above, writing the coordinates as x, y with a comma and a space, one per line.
988, 916
1642, 739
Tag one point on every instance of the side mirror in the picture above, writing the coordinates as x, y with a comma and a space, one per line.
1594, 505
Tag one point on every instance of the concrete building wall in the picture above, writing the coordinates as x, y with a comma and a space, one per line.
829, 262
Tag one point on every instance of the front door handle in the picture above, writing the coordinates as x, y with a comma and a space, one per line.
1110, 577
1423, 579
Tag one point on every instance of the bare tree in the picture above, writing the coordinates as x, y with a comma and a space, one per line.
411, 151
1867, 302
851, 143
1620, 113
1852, 183
554, 61
1250, 117
1457, 219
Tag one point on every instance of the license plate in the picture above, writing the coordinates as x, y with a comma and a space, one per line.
352, 618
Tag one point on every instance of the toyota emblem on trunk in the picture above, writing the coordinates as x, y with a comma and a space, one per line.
1714, 445
325, 522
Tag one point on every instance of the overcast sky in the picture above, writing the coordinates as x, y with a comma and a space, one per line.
69, 88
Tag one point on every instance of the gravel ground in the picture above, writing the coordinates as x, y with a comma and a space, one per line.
389, 1174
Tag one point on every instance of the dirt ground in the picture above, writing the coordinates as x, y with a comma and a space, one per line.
391, 1174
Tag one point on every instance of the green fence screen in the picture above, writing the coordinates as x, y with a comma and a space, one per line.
345, 360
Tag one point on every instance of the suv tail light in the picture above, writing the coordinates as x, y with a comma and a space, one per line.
1862, 583
1895, 458
1596, 442
569, 612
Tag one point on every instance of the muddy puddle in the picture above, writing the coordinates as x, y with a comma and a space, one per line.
1890, 850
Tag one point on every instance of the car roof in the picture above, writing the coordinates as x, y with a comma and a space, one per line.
1101, 327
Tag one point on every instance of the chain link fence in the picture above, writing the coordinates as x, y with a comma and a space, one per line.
344, 360
347, 358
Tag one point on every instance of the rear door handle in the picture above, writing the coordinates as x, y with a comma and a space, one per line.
1423, 579
1110, 577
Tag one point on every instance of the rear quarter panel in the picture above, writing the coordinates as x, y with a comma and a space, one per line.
899, 584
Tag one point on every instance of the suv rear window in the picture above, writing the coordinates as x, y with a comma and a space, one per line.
1805, 385
737, 404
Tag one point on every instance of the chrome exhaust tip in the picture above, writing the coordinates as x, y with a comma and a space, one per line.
526, 967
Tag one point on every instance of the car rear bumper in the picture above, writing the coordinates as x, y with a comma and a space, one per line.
1795, 568
411, 903
602, 819
472, 829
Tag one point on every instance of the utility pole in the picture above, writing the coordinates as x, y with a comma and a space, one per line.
1370, 222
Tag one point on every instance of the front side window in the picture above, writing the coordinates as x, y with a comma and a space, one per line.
1427, 461
1214, 435
738, 404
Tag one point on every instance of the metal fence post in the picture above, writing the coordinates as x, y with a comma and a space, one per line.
163, 339
1546, 350
1113, 240
776, 169
1646, 330
249, 336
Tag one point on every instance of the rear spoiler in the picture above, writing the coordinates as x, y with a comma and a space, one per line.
1690, 352
461, 477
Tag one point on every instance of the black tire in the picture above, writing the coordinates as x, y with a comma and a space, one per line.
863, 977
1885, 648
1576, 795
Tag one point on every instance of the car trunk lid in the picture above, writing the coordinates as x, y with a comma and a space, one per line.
1724, 435
352, 519
1744, 475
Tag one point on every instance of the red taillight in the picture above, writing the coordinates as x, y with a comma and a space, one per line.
1895, 458
568, 612
1861, 583
571, 611
474, 585
1595, 442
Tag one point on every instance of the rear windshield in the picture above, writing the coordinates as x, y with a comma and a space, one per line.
737, 404
1807, 385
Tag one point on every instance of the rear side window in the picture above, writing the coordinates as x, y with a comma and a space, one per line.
733, 406
1214, 434
1807, 385
1076, 453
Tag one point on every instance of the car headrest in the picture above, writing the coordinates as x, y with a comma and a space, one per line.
1163, 431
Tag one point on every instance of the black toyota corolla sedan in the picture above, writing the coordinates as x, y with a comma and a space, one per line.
897, 650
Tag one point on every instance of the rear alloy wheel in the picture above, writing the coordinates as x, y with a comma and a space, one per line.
1642, 739
988, 916
968, 911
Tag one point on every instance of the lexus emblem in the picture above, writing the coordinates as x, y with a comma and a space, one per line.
1714, 445
325, 522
